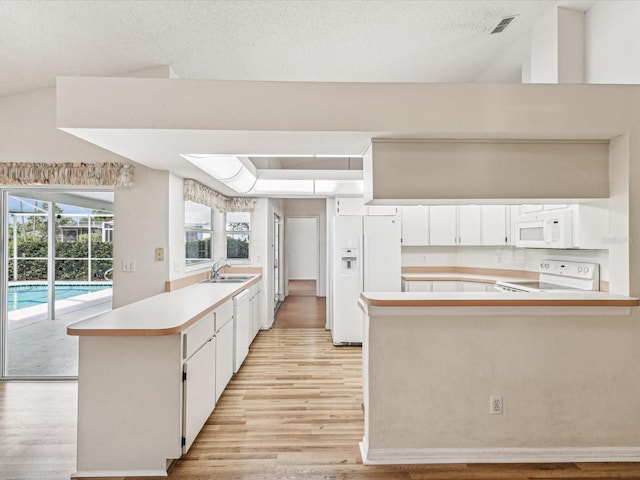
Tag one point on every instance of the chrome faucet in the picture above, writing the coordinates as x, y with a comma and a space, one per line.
217, 266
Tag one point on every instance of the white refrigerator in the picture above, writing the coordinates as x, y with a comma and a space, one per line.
366, 257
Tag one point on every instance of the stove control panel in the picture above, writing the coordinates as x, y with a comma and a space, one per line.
583, 270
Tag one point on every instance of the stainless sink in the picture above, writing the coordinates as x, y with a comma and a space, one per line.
229, 279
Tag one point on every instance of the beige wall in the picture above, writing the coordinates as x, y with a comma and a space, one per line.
566, 381
433, 170
29, 134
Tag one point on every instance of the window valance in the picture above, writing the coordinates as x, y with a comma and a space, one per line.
198, 193
78, 174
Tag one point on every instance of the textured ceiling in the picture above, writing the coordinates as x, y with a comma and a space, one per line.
367, 41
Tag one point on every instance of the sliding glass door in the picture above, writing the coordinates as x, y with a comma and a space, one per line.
57, 260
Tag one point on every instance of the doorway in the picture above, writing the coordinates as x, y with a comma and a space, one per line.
56, 261
277, 264
302, 254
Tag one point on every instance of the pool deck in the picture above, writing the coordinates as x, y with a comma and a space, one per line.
40, 347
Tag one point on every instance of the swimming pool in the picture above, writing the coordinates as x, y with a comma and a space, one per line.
23, 296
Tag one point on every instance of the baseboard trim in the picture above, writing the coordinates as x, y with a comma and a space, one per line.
118, 473
497, 455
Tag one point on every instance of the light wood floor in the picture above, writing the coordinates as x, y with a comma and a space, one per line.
302, 288
301, 308
292, 412
301, 312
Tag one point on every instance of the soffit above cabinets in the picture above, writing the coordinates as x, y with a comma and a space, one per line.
400, 172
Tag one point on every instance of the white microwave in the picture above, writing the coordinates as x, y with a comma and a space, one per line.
547, 229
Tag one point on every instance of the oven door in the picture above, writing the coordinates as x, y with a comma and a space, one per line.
545, 230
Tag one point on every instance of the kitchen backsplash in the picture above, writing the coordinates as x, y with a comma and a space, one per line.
510, 258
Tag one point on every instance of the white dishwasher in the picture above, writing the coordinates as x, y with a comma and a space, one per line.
241, 328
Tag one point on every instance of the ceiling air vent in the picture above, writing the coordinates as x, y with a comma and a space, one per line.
504, 23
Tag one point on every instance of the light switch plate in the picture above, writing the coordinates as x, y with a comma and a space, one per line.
128, 265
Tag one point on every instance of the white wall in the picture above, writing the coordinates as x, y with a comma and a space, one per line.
175, 256
613, 42
141, 224
312, 207
302, 248
543, 60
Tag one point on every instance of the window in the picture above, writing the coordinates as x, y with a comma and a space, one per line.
198, 233
238, 227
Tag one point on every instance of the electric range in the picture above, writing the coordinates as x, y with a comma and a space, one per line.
558, 275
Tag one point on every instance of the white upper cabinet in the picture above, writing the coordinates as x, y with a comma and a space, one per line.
469, 225
415, 226
531, 208
382, 210
350, 206
443, 225
455, 225
495, 225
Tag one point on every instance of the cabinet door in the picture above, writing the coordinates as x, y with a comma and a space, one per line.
494, 225
442, 225
473, 287
445, 286
415, 226
531, 208
469, 222
350, 206
199, 391
382, 210
418, 286
255, 315
556, 206
224, 357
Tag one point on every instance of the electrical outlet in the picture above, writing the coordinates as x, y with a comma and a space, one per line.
495, 407
159, 254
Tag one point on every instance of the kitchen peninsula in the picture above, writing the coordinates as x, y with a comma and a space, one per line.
150, 374
499, 377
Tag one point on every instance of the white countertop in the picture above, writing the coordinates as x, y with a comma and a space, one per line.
465, 277
481, 299
163, 314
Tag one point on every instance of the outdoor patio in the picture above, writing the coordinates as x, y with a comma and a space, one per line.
38, 347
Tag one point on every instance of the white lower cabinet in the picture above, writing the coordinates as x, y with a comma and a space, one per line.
199, 391
224, 346
417, 286
474, 286
254, 302
445, 286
